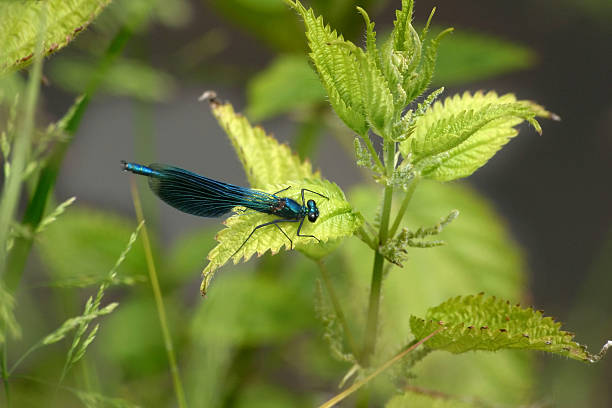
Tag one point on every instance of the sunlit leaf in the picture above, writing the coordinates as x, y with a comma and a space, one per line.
265, 160
456, 137
19, 27
487, 323
336, 220
479, 255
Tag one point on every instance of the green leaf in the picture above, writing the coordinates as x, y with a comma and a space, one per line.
491, 324
338, 69
468, 56
427, 399
83, 244
124, 77
288, 84
264, 159
479, 255
337, 220
65, 19
282, 32
455, 138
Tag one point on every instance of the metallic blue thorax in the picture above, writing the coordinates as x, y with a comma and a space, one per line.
288, 208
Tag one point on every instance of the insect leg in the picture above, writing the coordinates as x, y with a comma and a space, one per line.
284, 189
300, 228
265, 225
319, 194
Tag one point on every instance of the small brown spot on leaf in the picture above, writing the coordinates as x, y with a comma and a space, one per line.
484, 328
27, 57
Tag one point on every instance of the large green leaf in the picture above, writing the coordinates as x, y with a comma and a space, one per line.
336, 220
265, 160
426, 399
288, 84
272, 167
83, 244
479, 255
19, 23
455, 138
491, 324
338, 69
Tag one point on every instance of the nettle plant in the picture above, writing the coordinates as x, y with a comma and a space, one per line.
381, 94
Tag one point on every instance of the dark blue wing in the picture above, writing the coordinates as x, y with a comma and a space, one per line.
199, 195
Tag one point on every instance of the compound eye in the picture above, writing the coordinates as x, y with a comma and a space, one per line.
310, 203
312, 217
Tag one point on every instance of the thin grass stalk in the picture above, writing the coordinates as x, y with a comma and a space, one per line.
159, 301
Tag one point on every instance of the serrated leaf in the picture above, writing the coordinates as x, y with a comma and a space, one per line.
338, 69
455, 138
491, 324
18, 33
336, 220
480, 255
289, 83
264, 159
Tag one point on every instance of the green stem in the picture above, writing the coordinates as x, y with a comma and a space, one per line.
337, 308
36, 206
373, 153
376, 372
377, 270
5, 374
23, 140
159, 302
404, 206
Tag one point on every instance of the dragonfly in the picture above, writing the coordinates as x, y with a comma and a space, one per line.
198, 195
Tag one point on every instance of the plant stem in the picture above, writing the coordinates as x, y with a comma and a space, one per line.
373, 153
379, 370
159, 301
404, 206
48, 175
377, 270
23, 140
337, 308
5, 374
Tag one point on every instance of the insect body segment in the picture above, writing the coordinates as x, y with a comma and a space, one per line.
204, 197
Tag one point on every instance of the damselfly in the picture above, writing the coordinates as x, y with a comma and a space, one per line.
199, 195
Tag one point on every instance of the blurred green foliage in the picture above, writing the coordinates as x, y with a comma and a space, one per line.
255, 339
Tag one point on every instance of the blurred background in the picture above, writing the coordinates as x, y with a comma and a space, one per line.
535, 222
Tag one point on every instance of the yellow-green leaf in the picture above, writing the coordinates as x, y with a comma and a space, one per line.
336, 220
19, 27
487, 323
265, 160
455, 138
